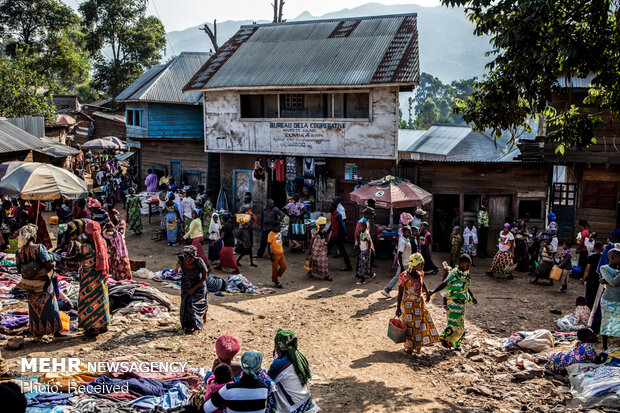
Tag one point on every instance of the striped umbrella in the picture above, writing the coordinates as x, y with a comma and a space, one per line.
105, 144
42, 182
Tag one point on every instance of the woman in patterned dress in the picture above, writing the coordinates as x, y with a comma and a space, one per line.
43, 314
93, 303
297, 229
505, 253
421, 330
173, 218
318, 250
610, 300
35, 217
455, 289
118, 257
134, 216
194, 301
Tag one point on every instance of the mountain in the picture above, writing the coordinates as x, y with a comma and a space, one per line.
448, 47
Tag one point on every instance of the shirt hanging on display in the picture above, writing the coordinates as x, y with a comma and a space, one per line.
279, 168
308, 171
291, 168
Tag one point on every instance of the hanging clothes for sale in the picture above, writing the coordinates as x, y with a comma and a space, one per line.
259, 170
271, 165
308, 171
291, 168
320, 173
279, 170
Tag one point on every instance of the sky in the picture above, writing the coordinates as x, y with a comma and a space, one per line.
181, 14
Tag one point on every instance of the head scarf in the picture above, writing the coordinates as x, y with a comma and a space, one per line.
227, 346
420, 212
507, 225
190, 251
415, 260
321, 221
93, 228
215, 226
406, 218
251, 362
551, 216
286, 342
169, 196
197, 211
93, 203
27, 233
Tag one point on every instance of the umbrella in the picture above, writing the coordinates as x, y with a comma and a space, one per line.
8, 167
43, 182
116, 140
392, 192
104, 144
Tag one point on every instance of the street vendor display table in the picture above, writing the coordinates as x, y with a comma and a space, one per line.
387, 243
147, 205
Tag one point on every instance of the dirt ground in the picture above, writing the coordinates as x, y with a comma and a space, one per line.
342, 331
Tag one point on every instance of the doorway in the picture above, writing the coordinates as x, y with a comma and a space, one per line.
499, 214
175, 172
242, 183
445, 216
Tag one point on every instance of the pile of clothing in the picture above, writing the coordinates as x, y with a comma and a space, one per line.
535, 341
238, 284
13, 320
131, 297
597, 385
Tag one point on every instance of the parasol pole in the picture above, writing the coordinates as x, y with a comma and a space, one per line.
391, 214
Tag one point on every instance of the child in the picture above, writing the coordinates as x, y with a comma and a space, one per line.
470, 242
590, 276
276, 254
364, 246
404, 250
582, 352
610, 300
589, 242
456, 289
456, 240
221, 376
545, 264
244, 235
578, 319
226, 347
566, 264
421, 330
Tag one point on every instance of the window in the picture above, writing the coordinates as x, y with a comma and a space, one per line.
471, 203
134, 117
192, 178
599, 195
306, 105
534, 208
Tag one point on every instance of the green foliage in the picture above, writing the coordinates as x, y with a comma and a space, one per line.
135, 41
24, 92
534, 42
49, 32
435, 101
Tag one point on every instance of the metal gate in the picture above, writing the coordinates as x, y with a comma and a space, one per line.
563, 199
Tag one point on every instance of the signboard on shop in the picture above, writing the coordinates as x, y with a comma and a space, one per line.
308, 137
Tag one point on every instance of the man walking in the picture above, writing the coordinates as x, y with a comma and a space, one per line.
337, 236
271, 215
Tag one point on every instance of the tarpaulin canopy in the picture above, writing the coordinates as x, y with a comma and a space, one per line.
43, 182
124, 156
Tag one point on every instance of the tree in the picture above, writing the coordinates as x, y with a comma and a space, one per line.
278, 12
49, 32
24, 92
135, 41
535, 42
427, 115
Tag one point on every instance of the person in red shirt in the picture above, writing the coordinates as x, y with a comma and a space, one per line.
337, 236
581, 249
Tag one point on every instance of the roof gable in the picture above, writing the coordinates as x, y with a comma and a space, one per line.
15, 139
351, 51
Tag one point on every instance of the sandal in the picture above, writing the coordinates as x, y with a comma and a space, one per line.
329, 279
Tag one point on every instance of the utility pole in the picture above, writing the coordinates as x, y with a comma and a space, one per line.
212, 34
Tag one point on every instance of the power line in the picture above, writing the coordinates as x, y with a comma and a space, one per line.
166, 33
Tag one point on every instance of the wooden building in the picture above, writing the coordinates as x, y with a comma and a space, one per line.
164, 124
463, 169
586, 183
67, 103
314, 103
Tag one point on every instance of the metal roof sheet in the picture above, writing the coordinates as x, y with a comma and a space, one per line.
14, 139
440, 140
575, 82
350, 51
164, 83
57, 149
110, 116
408, 138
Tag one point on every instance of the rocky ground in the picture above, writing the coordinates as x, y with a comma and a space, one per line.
342, 331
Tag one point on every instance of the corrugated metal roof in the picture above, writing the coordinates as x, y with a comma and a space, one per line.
440, 140
57, 149
408, 137
14, 139
110, 116
34, 125
164, 83
576, 82
378, 49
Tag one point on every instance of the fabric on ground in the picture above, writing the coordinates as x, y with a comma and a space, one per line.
64, 380
98, 406
49, 400
12, 321
141, 386
175, 397
537, 341
591, 380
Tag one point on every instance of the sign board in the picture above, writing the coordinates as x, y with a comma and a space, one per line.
307, 135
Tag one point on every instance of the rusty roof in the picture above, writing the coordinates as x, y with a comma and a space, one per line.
349, 51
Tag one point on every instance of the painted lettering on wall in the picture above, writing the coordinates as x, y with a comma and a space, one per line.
306, 134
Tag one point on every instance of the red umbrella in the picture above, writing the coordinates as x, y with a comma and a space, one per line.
391, 192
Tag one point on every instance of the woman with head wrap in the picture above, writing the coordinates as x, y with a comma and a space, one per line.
35, 216
421, 330
194, 302
456, 242
318, 250
244, 238
43, 314
227, 235
291, 372
134, 216
297, 229
173, 218
214, 230
93, 302
248, 394
195, 233
456, 292
503, 259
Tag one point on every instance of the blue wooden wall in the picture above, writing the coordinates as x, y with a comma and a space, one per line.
164, 120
